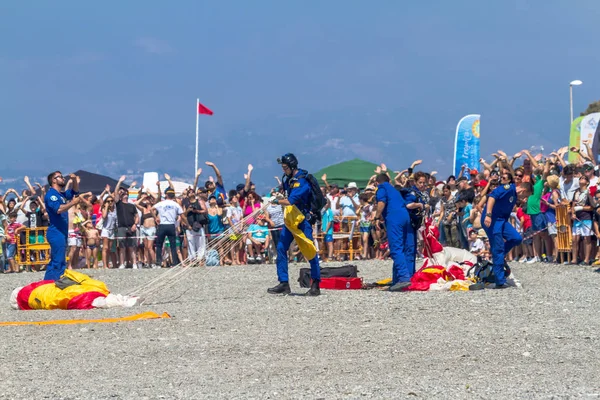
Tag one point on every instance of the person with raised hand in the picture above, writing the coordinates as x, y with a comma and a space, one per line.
58, 201
217, 189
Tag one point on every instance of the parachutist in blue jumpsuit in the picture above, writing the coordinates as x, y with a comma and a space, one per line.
503, 236
58, 214
300, 195
391, 206
417, 204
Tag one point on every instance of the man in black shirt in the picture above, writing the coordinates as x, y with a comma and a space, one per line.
127, 220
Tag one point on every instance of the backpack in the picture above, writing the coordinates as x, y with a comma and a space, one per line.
317, 200
212, 258
416, 217
483, 272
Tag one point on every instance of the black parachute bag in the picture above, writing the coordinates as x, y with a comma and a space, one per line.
345, 271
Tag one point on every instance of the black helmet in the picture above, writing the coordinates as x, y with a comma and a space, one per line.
289, 159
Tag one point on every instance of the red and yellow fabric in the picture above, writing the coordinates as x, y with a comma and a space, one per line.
45, 295
424, 277
292, 217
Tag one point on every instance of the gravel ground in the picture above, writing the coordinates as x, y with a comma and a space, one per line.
229, 339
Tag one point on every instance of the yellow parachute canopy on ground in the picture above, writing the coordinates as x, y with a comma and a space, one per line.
49, 296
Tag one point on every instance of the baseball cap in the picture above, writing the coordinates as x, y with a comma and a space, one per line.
482, 183
463, 178
169, 190
240, 187
474, 172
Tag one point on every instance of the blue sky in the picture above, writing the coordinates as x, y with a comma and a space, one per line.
75, 73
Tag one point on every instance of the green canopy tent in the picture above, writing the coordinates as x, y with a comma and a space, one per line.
356, 170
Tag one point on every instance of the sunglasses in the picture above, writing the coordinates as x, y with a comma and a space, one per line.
59, 176
518, 176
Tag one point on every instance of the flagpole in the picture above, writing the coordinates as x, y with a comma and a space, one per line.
197, 115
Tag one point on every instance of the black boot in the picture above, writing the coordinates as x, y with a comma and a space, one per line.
314, 289
282, 288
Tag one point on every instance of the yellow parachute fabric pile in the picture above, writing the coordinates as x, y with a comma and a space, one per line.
293, 217
50, 297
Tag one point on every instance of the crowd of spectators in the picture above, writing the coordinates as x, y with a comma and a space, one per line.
160, 227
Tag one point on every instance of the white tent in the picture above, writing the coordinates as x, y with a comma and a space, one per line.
180, 187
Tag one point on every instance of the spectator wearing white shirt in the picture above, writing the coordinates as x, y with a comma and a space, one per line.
476, 245
347, 204
568, 184
169, 213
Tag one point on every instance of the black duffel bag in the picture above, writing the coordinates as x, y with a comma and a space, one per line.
345, 271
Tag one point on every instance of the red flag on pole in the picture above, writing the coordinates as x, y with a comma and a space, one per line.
204, 110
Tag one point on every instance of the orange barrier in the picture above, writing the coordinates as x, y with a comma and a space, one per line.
136, 317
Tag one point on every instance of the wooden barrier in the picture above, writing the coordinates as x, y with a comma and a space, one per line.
35, 250
344, 243
564, 237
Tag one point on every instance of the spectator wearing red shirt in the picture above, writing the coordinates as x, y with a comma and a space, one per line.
12, 231
525, 220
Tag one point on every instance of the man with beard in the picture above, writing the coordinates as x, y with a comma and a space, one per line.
58, 230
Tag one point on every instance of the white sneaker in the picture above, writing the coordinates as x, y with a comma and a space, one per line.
534, 260
122, 266
523, 259
134, 266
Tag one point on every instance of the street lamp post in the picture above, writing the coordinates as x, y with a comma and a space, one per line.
576, 82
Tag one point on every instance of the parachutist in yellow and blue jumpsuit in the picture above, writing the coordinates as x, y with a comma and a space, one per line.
392, 207
299, 194
502, 235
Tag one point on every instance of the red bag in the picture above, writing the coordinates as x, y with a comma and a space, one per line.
338, 283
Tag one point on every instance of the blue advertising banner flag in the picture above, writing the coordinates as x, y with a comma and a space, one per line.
466, 145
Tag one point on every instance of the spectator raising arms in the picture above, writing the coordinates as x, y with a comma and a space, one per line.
127, 220
216, 189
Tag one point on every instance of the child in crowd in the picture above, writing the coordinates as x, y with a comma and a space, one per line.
476, 246
257, 239
327, 229
92, 241
12, 232
235, 215
366, 216
383, 250
527, 232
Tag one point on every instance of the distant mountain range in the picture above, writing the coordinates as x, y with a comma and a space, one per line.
396, 137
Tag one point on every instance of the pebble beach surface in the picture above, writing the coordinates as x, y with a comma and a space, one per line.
229, 339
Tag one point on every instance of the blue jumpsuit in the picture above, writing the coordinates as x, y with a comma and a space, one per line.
502, 235
413, 196
300, 195
397, 224
57, 232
